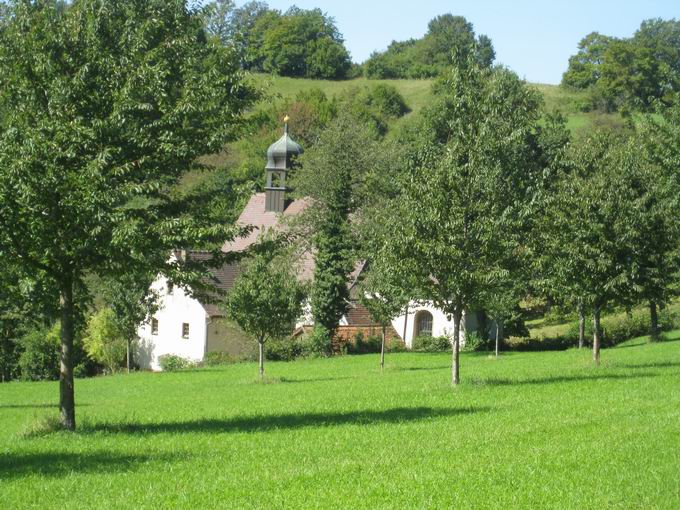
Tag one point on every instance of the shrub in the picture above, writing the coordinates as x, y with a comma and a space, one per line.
474, 342
172, 363
396, 345
284, 350
364, 345
318, 342
39, 359
214, 359
104, 341
427, 343
615, 331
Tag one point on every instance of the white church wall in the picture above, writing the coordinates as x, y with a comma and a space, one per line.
176, 309
441, 325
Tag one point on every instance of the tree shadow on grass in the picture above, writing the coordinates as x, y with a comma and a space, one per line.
561, 379
292, 380
34, 406
57, 464
283, 421
418, 369
655, 364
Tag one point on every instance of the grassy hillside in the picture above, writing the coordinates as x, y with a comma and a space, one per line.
529, 430
418, 94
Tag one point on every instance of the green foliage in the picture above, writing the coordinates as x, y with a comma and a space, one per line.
173, 363
428, 57
106, 105
631, 73
615, 330
610, 237
266, 298
364, 345
104, 340
429, 343
299, 42
460, 218
376, 105
337, 174
319, 341
475, 342
215, 359
584, 67
39, 358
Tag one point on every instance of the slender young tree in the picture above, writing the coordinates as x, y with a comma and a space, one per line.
105, 106
266, 299
462, 204
384, 299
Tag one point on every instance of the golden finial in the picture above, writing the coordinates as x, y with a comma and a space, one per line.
286, 119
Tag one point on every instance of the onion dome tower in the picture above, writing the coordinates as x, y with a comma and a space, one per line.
280, 159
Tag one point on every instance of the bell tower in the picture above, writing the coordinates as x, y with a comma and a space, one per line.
280, 157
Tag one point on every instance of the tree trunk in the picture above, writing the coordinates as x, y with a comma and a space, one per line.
128, 356
67, 405
597, 335
382, 350
405, 322
455, 354
497, 337
261, 343
654, 321
581, 324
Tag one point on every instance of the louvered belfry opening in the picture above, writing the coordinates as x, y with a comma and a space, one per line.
280, 158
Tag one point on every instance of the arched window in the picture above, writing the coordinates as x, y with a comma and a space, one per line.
424, 323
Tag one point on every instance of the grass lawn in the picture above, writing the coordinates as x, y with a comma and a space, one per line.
529, 430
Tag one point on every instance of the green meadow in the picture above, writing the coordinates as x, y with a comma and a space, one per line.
418, 94
526, 430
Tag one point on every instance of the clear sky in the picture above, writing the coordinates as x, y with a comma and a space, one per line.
533, 37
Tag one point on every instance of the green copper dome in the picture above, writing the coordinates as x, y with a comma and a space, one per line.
280, 152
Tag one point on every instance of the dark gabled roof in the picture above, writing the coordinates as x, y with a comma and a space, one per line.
222, 278
358, 315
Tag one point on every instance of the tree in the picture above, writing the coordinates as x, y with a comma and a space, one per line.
657, 251
382, 296
304, 43
589, 233
462, 202
447, 36
337, 175
266, 298
585, 67
132, 301
104, 340
219, 20
106, 106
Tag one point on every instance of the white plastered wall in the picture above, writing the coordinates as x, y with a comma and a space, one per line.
175, 309
441, 325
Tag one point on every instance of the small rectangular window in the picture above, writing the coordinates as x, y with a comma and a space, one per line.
185, 330
171, 287
154, 326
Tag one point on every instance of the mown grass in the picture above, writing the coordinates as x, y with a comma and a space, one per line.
529, 430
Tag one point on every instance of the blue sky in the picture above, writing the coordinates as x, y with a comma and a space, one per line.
534, 38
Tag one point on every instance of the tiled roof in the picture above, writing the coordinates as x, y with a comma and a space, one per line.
358, 315
254, 215
222, 278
